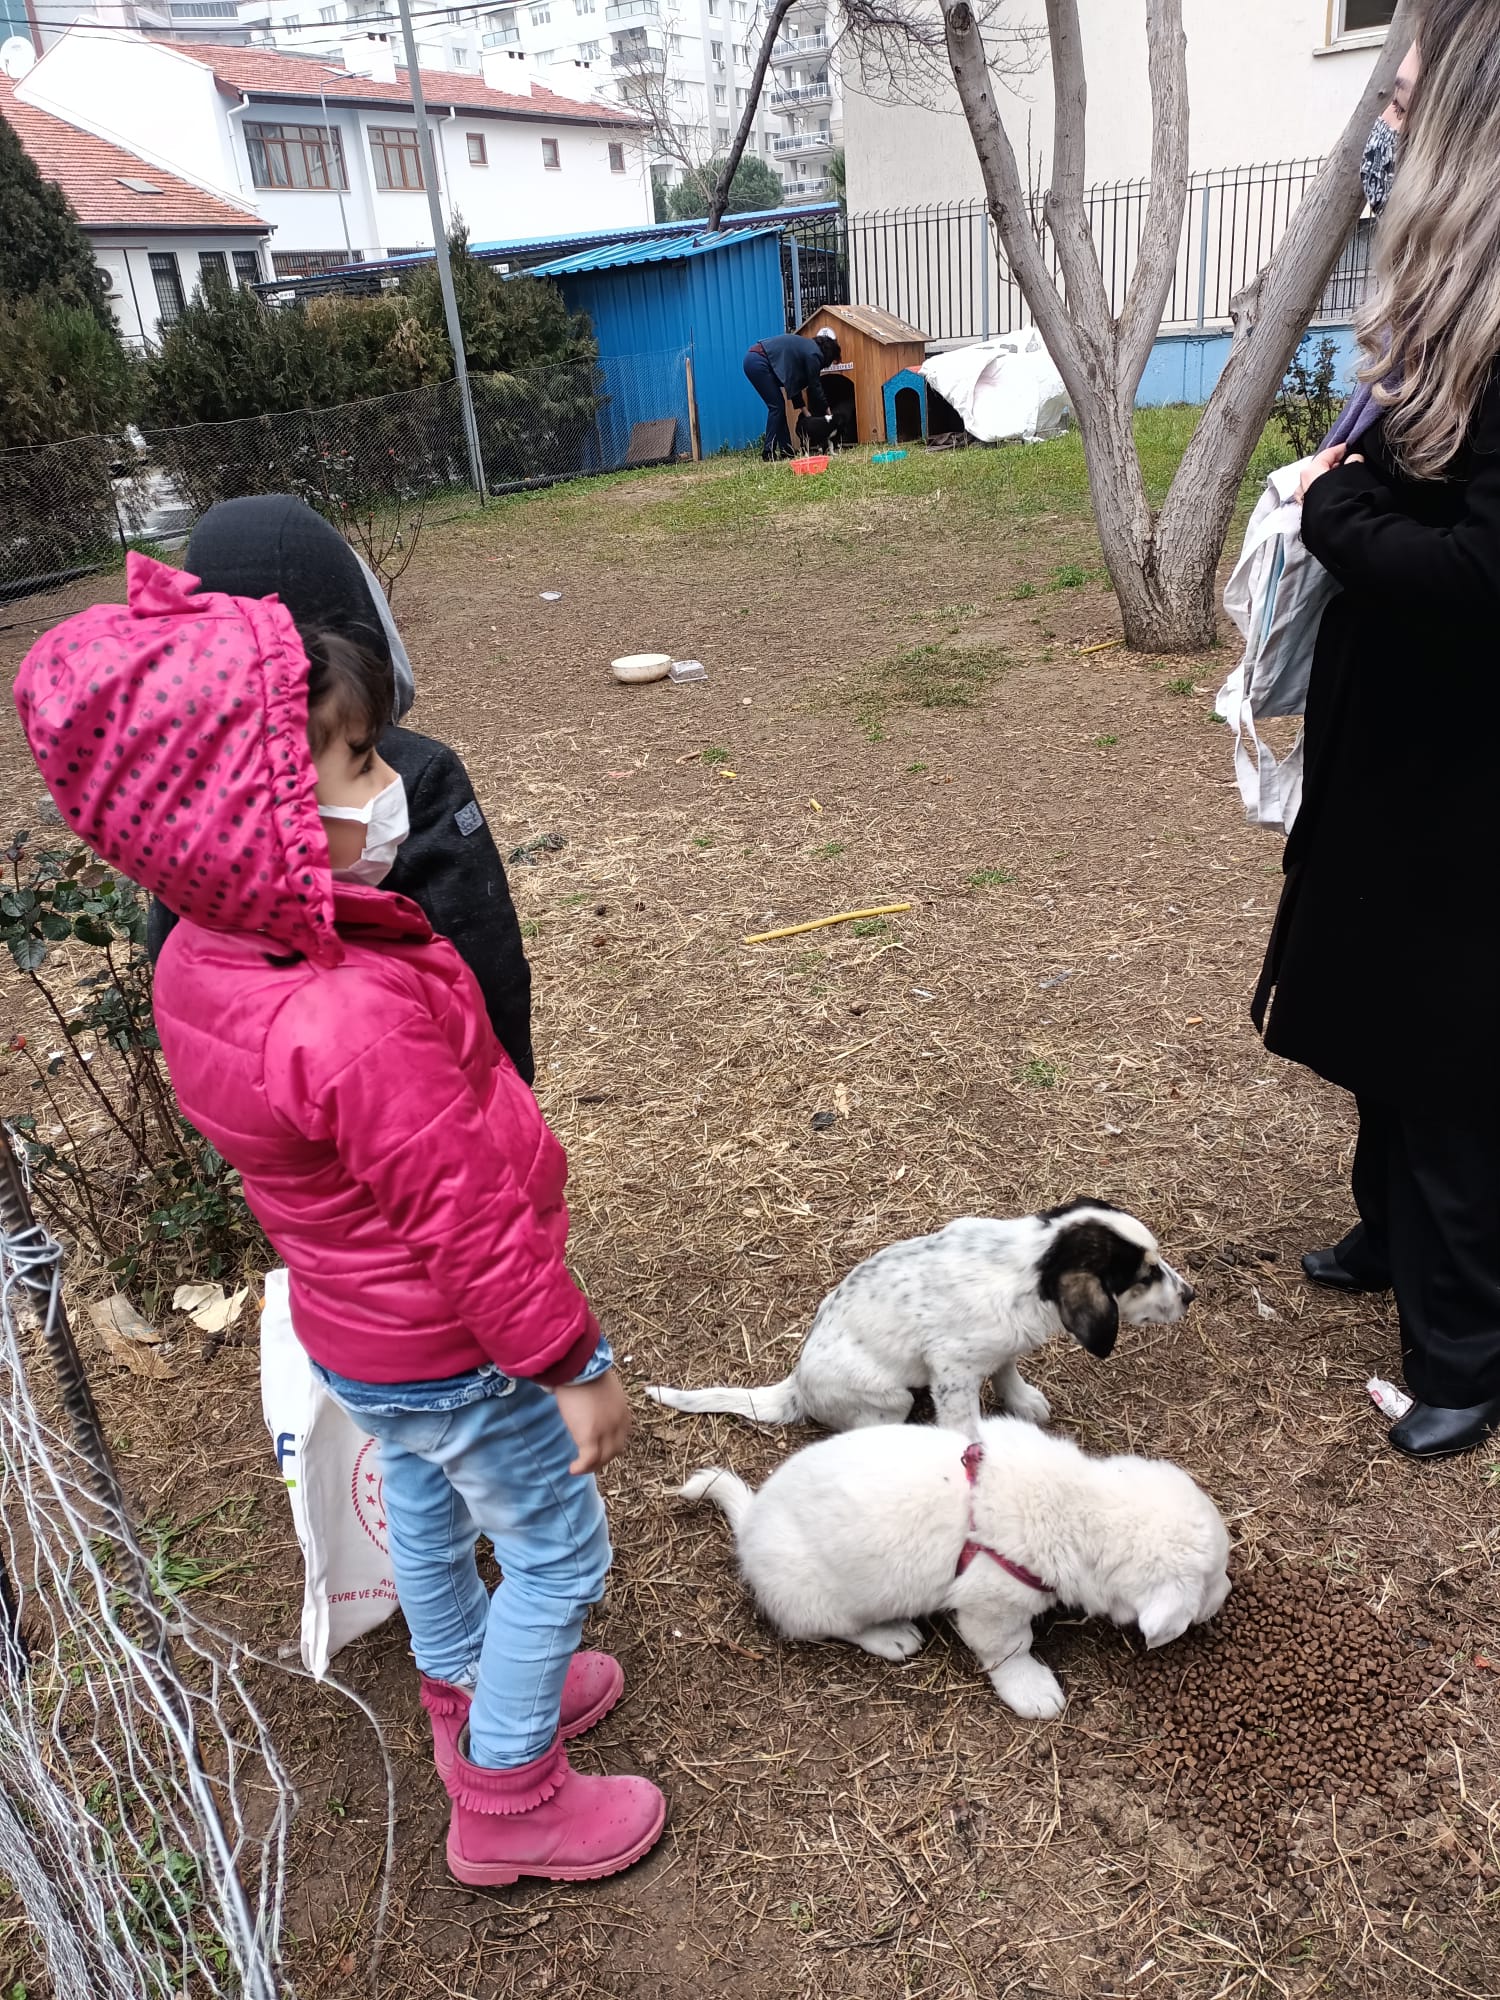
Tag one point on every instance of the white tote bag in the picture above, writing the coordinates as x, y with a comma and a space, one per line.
332, 1473
1276, 596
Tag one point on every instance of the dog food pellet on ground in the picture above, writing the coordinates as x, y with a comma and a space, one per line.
1297, 1694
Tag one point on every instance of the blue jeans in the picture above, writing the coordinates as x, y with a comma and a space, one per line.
482, 1453
778, 439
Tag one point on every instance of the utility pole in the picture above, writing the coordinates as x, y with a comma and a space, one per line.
440, 247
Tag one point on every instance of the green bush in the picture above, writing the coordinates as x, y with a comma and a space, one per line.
63, 376
44, 253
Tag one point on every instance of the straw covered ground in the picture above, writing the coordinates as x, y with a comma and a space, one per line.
910, 699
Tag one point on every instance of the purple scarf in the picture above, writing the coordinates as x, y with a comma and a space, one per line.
1360, 414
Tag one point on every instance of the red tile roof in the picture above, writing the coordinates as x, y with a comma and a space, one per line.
268, 73
90, 172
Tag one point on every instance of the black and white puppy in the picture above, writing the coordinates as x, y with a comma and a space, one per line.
943, 1312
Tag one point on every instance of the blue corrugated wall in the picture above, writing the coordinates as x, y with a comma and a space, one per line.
714, 305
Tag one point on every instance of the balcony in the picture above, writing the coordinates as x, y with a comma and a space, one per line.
805, 190
793, 46
633, 10
633, 50
803, 142
500, 38
801, 93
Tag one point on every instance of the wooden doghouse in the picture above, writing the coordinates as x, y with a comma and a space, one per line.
874, 346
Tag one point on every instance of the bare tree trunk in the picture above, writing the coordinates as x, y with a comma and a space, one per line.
731, 165
1163, 569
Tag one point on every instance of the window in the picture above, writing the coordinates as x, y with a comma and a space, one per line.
739, 99
458, 58
307, 263
589, 52
247, 267
164, 275
396, 157
296, 156
540, 16
616, 159
550, 157
713, 8
212, 264
720, 96
1358, 17
328, 13
583, 6
478, 152
716, 50
742, 54
542, 58
674, 45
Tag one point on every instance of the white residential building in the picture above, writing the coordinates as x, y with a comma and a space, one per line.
690, 60
155, 236
328, 156
1276, 82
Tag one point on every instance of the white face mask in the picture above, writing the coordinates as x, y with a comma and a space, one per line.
384, 819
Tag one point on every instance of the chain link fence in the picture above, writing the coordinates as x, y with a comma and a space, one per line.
69, 511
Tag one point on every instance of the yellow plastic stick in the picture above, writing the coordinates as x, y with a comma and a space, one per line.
821, 923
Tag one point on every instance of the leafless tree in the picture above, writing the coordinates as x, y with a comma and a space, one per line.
1162, 564
647, 87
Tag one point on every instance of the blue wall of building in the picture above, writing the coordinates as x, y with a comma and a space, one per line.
1184, 367
713, 302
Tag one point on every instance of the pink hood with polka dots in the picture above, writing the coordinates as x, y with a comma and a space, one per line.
172, 732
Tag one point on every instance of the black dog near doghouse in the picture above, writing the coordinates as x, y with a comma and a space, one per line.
786, 368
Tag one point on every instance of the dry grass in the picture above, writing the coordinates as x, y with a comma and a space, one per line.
1062, 1011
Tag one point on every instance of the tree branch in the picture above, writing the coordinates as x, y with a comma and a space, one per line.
1272, 313
720, 197
1161, 231
1066, 206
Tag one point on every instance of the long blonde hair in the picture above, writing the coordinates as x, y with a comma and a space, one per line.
1431, 328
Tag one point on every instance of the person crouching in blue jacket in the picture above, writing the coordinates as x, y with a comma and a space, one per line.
785, 368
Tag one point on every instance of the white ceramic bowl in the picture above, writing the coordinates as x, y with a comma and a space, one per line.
642, 666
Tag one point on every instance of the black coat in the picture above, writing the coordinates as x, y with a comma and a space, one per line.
448, 864
798, 366
1386, 951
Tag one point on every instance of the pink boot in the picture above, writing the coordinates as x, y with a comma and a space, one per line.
546, 1819
595, 1683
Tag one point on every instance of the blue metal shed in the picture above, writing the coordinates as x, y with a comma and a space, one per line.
707, 295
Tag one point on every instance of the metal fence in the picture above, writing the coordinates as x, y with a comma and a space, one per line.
941, 269
69, 511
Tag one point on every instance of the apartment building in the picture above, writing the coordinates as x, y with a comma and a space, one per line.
326, 153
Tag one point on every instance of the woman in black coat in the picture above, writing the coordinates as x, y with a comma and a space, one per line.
1385, 957
448, 863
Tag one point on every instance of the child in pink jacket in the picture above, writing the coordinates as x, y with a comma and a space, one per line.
338, 1054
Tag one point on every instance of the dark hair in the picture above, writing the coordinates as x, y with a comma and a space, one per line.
829, 343
349, 689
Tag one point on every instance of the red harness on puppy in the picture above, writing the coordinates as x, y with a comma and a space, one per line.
973, 1459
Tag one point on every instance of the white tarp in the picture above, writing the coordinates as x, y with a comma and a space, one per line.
1002, 388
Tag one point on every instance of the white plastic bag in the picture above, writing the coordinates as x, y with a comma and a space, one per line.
332, 1473
1276, 596
1003, 388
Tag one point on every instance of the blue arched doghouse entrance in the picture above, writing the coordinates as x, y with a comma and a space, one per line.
905, 408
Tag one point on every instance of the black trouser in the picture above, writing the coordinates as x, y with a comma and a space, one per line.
1428, 1194
778, 441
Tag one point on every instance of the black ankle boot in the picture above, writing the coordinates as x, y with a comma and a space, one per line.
1429, 1432
1327, 1268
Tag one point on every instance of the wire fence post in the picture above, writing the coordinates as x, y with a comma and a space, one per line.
984, 273
1203, 259
796, 282
440, 252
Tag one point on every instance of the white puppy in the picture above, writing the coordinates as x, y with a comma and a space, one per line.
942, 1312
858, 1536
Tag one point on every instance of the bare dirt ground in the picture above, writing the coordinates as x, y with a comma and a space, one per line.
1060, 1011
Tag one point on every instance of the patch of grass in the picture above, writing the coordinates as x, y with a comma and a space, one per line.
703, 840
990, 878
714, 755
1070, 576
1105, 742
871, 927
926, 677
1184, 684
1038, 1072
829, 849
915, 770
1022, 591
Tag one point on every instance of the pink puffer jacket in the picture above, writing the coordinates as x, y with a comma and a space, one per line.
331, 1048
